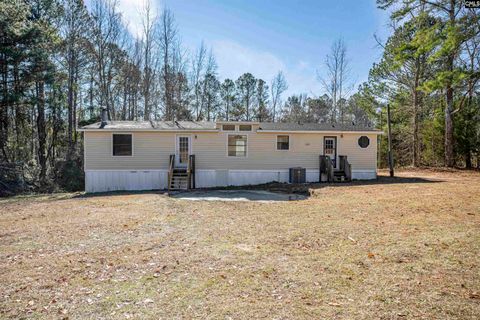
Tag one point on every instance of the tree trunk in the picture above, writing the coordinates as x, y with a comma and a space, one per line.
227, 110
41, 131
449, 156
415, 130
76, 92
70, 94
468, 158
4, 111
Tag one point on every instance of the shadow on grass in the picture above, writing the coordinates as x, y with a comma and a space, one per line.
118, 193
379, 181
304, 189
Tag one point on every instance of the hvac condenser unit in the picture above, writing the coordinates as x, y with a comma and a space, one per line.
297, 175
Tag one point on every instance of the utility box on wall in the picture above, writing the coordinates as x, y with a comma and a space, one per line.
297, 175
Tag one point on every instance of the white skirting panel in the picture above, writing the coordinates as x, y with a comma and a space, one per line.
222, 178
364, 174
113, 180
210, 178
313, 175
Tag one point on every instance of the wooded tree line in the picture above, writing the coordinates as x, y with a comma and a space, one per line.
429, 73
61, 63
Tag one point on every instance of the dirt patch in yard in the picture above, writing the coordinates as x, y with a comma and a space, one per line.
398, 248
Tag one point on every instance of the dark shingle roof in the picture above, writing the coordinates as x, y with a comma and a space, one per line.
209, 126
153, 125
292, 126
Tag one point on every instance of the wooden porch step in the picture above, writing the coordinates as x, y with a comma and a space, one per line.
179, 181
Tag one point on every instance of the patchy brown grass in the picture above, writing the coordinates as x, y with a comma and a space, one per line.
399, 248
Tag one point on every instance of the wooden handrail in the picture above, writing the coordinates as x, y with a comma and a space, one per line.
329, 169
348, 170
171, 166
326, 167
191, 171
346, 167
189, 164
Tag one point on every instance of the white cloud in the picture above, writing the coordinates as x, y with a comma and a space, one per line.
132, 13
234, 59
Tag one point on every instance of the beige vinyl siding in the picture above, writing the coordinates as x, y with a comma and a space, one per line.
151, 150
359, 158
211, 152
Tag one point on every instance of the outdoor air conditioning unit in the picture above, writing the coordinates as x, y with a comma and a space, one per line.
297, 175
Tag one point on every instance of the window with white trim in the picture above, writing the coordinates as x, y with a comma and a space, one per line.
363, 141
283, 142
237, 145
122, 144
245, 127
228, 127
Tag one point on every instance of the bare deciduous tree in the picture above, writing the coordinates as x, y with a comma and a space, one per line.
169, 46
336, 82
277, 87
150, 60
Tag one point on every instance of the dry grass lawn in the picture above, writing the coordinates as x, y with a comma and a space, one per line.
395, 249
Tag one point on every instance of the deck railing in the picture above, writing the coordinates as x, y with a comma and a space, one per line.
171, 166
326, 167
191, 171
346, 167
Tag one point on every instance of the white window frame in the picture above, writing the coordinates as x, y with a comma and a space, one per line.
369, 142
289, 142
190, 144
246, 149
111, 144
234, 127
251, 128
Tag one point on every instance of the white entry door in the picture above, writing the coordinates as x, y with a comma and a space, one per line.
330, 149
182, 151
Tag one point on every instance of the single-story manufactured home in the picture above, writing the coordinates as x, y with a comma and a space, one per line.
148, 155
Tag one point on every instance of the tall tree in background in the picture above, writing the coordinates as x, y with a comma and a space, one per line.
211, 92
319, 109
467, 131
106, 38
199, 62
169, 48
263, 114
42, 14
227, 92
150, 56
74, 28
246, 92
404, 68
452, 27
336, 82
17, 38
295, 109
278, 86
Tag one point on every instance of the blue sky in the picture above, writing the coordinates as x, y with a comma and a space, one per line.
265, 36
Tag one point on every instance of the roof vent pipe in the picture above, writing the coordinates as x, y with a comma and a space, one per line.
104, 116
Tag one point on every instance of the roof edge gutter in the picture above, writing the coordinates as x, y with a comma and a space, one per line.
150, 130
319, 131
